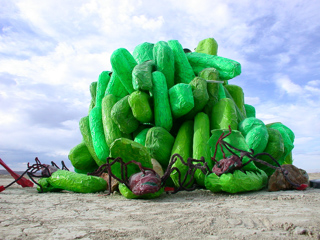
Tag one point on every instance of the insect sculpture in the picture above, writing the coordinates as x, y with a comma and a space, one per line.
147, 180
39, 170
234, 162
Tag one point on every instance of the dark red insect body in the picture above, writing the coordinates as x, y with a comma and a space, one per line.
227, 165
145, 182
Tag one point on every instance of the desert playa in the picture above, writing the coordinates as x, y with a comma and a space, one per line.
26, 214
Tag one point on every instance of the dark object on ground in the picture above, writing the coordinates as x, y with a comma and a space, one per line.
315, 183
296, 175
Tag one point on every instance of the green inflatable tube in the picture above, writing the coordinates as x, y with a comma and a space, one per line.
140, 105
143, 52
111, 129
181, 99
127, 193
183, 70
200, 144
224, 114
122, 115
183, 146
162, 110
97, 133
164, 60
84, 126
103, 81
208, 46
115, 87
227, 68
77, 182
236, 182
123, 63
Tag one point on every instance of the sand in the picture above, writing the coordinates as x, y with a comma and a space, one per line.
26, 214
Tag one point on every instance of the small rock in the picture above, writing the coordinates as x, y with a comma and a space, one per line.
300, 231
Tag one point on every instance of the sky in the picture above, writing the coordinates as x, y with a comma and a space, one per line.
51, 51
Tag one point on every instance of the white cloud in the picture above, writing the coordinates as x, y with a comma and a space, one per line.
302, 119
90, 7
311, 161
148, 23
284, 83
299, 116
252, 100
283, 59
303, 140
314, 83
312, 89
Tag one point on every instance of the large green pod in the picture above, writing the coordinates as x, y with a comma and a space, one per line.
237, 182
127, 193
183, 70
208, 46
93, 91
200, 144
237, 95
255, 133
77, 182
140, 106
81, 158
288, 159
181, 99
122, 115
115, 87
111, 129
162, 110
227, 68
159, 143
99, 142
46, 187
143, 52
224, 114
103, 81
164, 59
129, 150
246, 125
288, 139
84, 126
142, 76
123, 63
275, 148
222, 93
250, 110
183, 146
281, 126
211, 74
141, 136
200, 96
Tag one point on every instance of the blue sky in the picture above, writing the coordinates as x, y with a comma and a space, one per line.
50, 52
